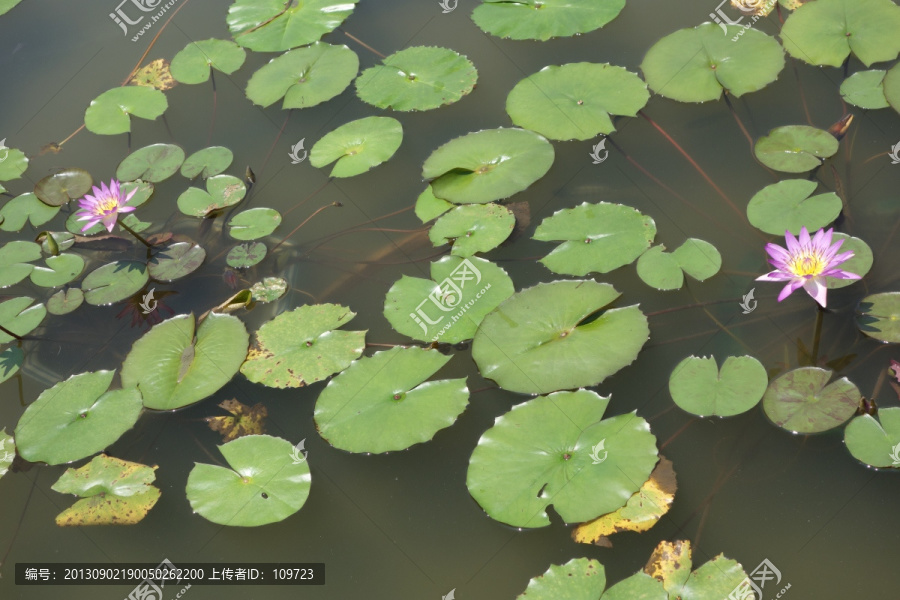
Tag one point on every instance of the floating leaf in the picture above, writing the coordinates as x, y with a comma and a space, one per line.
789, 206
302, 346
114, 281
154, 75
269, 289
207, 162
860, 263
134, 223
487, 165
584, 579
172, 368
663, 271
7, 443
142, 191
60, 270
113, 492
153, 163
699, 387
558, 336
222, 191
54, 242
244, 256
194, 62
7, 5
65, 301
244, 420
383, 403
76, 418
715, 579
60, 188
429, 207
272, 26
473, 228
15, 259
878, 316
357, 146
25, 208
795, 148
18, 316
695, 65
865, 89
109, 113
175, 260
575, 101
875, 442
891, 87
264, 484
545, 451
254, 223
13, 163
532, 20
799, 400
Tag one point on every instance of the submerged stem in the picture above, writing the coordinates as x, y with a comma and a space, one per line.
817, 335
135, 234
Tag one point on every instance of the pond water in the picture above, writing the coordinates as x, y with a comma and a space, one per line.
403, 524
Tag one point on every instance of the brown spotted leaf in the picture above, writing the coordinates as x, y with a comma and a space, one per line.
155, 74
715, 579
245, 420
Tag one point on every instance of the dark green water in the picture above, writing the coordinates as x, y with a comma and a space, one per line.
403, 525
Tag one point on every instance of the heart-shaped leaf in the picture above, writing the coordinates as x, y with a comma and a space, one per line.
875, 442
795, 148
25, 208
221, 191
18, 316
194, 63
65, 301
244, 256
254, 223
15, 261
110, 112
60, 270
800, 401
358, 146
153, 163
114, 281
207, 162
473, 228
544, 19
699, 387
789, 206
878, 316
175, 260
273, 26
61, 187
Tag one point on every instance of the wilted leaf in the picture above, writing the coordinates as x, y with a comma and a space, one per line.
154, 75
246, 420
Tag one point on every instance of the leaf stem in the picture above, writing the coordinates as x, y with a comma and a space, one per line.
135, 234
817, 335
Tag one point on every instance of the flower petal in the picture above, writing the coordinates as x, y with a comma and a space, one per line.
815, 287
789, 289
793, 245
775, 276
840, 274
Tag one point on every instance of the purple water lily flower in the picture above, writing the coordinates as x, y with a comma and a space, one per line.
104, 206
807, 263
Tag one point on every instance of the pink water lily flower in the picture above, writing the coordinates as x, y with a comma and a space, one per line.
807, 263
104, 206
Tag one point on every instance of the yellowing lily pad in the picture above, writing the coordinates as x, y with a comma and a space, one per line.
244, 420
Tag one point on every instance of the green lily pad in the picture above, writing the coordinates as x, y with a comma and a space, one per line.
133, 222
254, 223
575, 101
585, 579
795, 148
891, 86
875, 442
25, 208
449, 311
358, 146
663, 270
558, 335
142, 191
799, 400
114, 281
383, 403
60, 270
65, 301
269, 289
698, 258
221, 191
695, 65
596, 238
153, 163
14, 162
207, 162
194, 63
417, 78
865, 89
62, 187
699, 387
112, 491
429, 207
534, 20
7, 5
76, 418
304, 77
18, 316
545, 451
715, 579
860, 263
174, 368
175, 260
8, 449
11, 359
110, 112
878, 316
15, 259
789, 206
264, 484
244, 256
473, 228
824, 32
487, 165
272, 26
302, 346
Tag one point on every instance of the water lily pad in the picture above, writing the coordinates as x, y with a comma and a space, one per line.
14, 162
18, 316
272, 26
473, 228
110, 112
558, 335
54, 242
789, 206
25, 208
488, 165
533, 20
269, 289
878, 316
542, 452
155, 74
60, 270
244, 256
860, 263
11, 359
799, 400
865, 89
194, 63
383, 403
221, 191
133, 222
175, 260
715, 579
451, 310
795, 148
698, 258
142, 191
663, 271
891, 86
207, 162
60, 188
575, 101
698, 386
76, 418
417, 78
429, 207
244, 420
7, 446
112, 491
114, 281
153, 163
596, 238
302, 346
7, 5
695, 65
358, 146
73, 225
254, 223
172, 368
824, 32
15, 261
875, 442
585, 579
65, 301
304, 77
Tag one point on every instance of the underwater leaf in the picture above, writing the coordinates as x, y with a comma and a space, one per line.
860, 263
865, 89
545, 19
254, 223
264, 484
153, 163
800, 401
697, 64
25, 208
575, 101
698, 386
15, 261
109, 113
11, 359
547, 451
221, 191
61, 187
795, 148
172, 368
207, 162
357, 146
429, 207
65, 301
875, 442
487, 165
715, 579
417, 78
275, 26
155, 74
174, 260
76, 418
244, 256
194, 62
18, 316
269, 289
789, 206
60, 270
7, 443
302, 346
383, 403
473, 228
558, 335
245, 420
13, 162
878, 316
114, 281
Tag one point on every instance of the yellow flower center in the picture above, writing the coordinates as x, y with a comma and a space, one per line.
806, 263
107, 206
